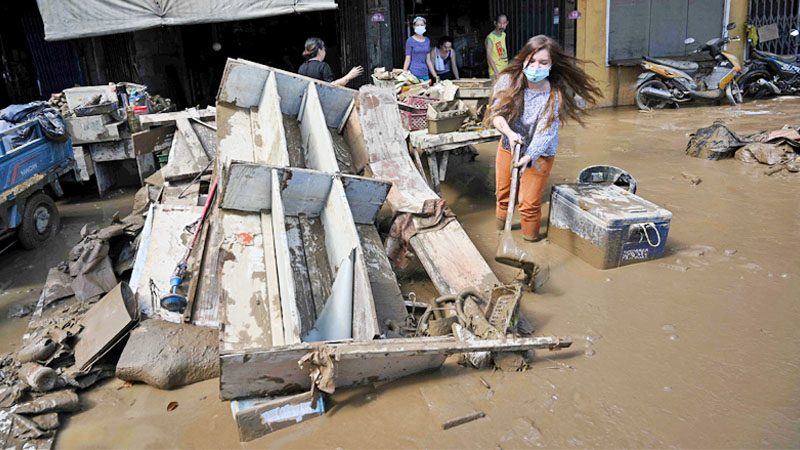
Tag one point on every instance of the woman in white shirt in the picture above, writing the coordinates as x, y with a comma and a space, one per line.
444, 59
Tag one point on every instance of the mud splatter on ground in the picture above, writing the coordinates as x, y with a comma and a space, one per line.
705, 357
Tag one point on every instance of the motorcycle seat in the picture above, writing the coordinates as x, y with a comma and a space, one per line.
686, 66
785, 58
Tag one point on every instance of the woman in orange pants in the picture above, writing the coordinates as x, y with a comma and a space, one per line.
528, 101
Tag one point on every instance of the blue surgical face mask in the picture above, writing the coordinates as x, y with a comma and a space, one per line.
537, 74
419, 30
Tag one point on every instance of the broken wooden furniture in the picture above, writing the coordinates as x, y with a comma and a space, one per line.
437, 149
290, 212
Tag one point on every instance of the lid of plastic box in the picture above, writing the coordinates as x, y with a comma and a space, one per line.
611, 204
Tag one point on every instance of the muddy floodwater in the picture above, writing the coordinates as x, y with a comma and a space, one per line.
699, 349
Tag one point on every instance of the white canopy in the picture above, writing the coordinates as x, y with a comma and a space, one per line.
69, 19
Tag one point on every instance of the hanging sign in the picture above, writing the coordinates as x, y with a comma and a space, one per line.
378, 17
574, 14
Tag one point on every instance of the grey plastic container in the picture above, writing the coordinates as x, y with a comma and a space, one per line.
606, 225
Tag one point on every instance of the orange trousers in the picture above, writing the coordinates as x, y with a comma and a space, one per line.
531, 186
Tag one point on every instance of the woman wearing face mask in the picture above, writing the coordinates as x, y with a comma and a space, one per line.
418, 52
444, 60
316, 67
530, 98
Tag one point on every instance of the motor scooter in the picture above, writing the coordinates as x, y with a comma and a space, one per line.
768, 74
667, 81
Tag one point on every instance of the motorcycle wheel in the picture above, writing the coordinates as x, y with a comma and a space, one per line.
733, 93
751, 87
646, 103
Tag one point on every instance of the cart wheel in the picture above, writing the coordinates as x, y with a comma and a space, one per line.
40, 221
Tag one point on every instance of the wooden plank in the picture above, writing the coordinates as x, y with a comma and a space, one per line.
319, 271
153, 140
452, 261
151, 120
291, 316
341, 237
388, 153
389, 305
302, 283
317, 141
192, 141
276, 370
269, 144
245, 317
303, 191
273, 289
245, 312
423, 140
448, 255
269, 135
158, 258
187, 158
365, 196
433, 167
355, 141
194, 272
247, 187
242, 84
206, 304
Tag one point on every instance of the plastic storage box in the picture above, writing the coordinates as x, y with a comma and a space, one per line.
607, 226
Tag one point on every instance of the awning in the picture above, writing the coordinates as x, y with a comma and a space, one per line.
69, 19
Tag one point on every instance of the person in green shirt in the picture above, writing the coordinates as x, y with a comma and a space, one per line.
496, 50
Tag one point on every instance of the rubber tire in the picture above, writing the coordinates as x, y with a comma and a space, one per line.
640, 100
751, 78
733, 93
27, 234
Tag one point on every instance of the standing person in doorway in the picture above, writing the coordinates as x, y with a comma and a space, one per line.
444, 60
529, 99
496, 51
418, 52
316, 67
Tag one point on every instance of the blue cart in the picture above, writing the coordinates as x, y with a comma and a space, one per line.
29, 178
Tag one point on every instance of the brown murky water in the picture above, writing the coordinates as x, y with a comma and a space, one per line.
702, 358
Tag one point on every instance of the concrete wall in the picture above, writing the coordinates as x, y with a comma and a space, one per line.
617, 83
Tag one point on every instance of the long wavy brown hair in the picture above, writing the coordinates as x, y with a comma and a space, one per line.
566, 78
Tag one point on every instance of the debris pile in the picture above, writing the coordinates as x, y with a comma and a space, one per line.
779, 148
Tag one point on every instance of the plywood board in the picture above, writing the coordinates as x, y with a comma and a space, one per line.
365, 196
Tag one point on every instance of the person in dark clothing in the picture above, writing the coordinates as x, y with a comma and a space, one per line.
316, 67
444, 60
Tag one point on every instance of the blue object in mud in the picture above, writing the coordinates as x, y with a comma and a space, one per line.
173, 301
607, 226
